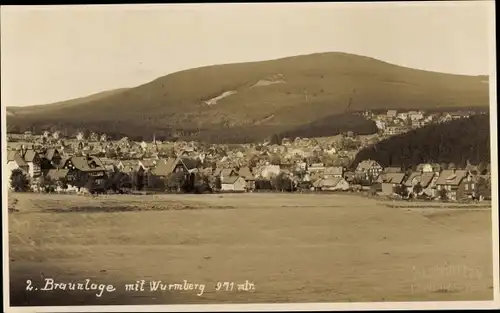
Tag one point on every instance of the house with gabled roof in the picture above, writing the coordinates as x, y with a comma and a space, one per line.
82, 169
248, 176
425, 179
188, 166
333, 171
316, 168
128, 166
450, 183
331, 184
233, 183
392, 113
16, 161
391, 181
32, 159
368, 170
50, 159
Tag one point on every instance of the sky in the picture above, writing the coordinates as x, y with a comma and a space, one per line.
55, 53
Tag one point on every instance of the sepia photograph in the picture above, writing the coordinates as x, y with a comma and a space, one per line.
227, 156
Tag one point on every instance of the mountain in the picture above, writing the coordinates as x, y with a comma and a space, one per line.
45, 108
455, 142
251, 101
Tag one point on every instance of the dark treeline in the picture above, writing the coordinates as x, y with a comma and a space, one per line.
328, 126
455, 142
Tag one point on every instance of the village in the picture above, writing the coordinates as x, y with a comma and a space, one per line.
51, 162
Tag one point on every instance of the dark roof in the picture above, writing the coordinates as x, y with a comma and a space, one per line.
29, 155
11, 155
246, 173
225, 172
423, 178
64, 160
164, 167
331, 182
393, 178
87, 164
392, 169
451, 177
16, 157
57, 174
49, 153
230, 179
189, 163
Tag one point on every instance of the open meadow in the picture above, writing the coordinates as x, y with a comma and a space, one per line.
292, 247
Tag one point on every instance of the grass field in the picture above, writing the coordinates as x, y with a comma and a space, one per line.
292, 247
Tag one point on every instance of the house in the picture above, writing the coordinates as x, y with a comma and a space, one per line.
186, 165
234, 184
127, 166
380, 124
333, 171
445, 118
390, 169
415, 116
316, 167
459, 115
300, 152
392, 113
248, 176
84, 169
450, 185
402, 116
300, 166
15, 161
53, 155
394, 130
331, 184
173, 165
469, 186
392, 181
224, 173
147, 164
50, 158
330, 150
426, 181
417, 123
367, 170
32, 159
286, 142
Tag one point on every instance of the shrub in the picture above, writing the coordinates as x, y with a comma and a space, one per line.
443, 194
19, 181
